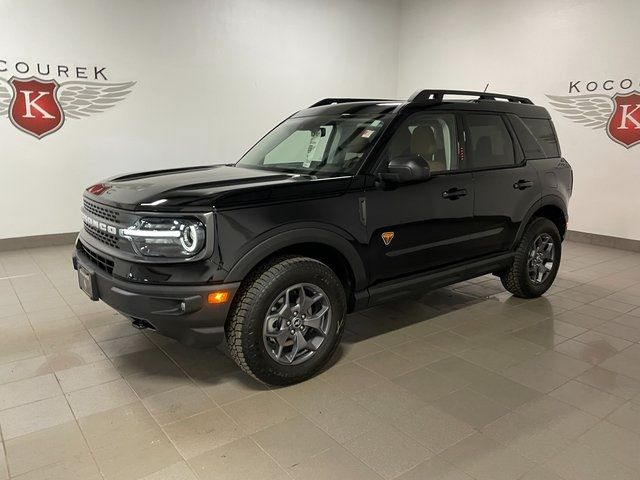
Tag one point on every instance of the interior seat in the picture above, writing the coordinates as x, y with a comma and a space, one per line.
423, 142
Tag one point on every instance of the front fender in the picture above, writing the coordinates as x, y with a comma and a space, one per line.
273, 242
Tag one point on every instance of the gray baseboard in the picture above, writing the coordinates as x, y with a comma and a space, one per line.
604, 240
36, 241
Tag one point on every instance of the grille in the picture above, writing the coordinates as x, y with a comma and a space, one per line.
102, 212
104, 237
103, 263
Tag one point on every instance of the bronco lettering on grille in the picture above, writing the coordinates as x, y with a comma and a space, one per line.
92, 222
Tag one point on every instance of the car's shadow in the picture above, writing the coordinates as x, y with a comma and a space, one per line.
212, 367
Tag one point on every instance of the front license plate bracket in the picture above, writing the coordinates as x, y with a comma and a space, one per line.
87, 282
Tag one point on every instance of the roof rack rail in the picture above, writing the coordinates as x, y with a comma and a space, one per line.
329, 101
438, 95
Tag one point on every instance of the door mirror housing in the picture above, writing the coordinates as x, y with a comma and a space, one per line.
406, 169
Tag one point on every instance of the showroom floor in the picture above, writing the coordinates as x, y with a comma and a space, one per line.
468, 382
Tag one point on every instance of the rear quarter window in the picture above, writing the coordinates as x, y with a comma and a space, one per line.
542, 129
530, 146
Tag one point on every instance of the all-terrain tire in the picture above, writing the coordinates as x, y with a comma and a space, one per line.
244, 328
516, 279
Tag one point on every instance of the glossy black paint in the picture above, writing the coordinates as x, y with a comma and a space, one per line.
429, 231
500, 206
453, 226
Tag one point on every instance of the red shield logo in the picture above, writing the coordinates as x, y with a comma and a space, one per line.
34, 107
624, 124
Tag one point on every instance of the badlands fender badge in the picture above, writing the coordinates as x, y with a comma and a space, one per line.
387, 237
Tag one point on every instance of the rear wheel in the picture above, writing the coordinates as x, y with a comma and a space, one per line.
287, 320
536, 262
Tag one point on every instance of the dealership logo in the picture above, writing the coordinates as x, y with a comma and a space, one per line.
618, 114
39, 106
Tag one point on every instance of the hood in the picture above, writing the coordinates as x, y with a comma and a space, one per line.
206, 187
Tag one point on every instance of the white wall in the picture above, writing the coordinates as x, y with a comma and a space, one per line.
532, 49
213, 76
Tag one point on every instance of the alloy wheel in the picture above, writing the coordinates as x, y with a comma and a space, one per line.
541, 258
297, 323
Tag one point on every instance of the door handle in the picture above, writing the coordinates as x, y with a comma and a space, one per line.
522, 184
454, 193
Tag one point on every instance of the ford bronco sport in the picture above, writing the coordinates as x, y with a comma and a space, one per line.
344, 205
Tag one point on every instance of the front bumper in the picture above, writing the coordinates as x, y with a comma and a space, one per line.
180, 312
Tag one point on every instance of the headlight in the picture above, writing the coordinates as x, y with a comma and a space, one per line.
166, 237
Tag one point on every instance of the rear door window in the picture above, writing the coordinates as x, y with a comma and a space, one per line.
488, 142
543, 130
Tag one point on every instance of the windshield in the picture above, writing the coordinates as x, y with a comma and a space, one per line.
322, 145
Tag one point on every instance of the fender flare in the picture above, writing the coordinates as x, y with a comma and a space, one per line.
547, 200
291, 237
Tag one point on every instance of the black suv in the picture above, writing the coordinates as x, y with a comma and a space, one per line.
344, 205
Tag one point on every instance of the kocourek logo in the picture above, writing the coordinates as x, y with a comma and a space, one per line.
39, 106
618, 113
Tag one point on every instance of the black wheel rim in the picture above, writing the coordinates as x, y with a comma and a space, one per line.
541, 258
297, 323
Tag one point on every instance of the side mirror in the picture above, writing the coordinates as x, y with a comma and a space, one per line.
407, 169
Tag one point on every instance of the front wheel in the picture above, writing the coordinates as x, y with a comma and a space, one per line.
287, 320
536, 261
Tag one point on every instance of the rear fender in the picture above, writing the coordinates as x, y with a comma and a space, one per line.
546, 201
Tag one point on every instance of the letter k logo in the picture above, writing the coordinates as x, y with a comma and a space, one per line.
30, 104
627, 116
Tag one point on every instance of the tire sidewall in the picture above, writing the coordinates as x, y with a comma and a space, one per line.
256, 355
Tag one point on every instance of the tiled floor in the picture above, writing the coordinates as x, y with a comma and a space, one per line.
466, 383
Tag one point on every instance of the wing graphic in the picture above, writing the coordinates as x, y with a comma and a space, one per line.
81, 99
6, 92
590, 110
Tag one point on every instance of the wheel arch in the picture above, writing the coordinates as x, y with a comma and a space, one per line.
326, 246
551, 207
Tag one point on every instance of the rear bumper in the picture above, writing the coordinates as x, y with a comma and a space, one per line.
180, 312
